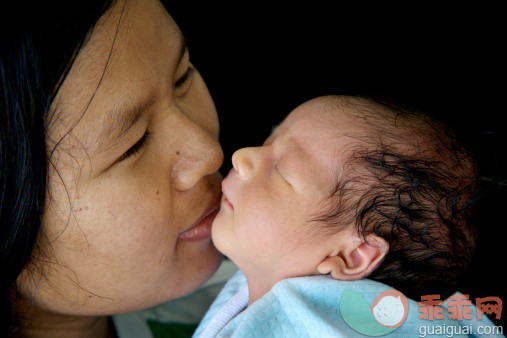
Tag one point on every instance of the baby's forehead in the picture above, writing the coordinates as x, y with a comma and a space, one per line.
335, 127
324, 131
352, 124
335, 114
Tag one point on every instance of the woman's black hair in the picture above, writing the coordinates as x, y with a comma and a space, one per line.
37, 50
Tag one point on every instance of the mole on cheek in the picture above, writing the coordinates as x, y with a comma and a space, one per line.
80, 209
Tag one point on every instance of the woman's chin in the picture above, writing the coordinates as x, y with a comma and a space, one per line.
201, 269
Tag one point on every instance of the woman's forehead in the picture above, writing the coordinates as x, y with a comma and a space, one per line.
127, 61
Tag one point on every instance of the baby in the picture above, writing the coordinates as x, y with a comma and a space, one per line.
351, 188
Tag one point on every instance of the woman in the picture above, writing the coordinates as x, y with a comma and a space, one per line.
109, 159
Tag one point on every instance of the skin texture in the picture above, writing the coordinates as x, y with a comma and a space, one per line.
274, 190
112, 227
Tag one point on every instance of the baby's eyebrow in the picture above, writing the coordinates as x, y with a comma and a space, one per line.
275, 127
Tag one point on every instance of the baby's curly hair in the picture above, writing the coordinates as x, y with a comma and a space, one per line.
411, 182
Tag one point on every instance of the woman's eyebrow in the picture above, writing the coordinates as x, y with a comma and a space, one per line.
126, 118
182, 51
123, 117
119, 121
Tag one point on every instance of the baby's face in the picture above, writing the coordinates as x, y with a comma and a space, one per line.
275, 189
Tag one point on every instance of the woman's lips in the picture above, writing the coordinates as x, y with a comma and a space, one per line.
202, 229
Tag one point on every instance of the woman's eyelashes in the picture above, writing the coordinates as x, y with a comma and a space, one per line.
182, 80
136, 148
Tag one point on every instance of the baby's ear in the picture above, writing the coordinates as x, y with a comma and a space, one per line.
356, 261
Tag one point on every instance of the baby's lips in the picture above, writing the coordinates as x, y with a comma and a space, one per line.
228, 203
225, 198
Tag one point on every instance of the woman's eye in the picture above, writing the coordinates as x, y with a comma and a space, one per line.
135, 148
181, 81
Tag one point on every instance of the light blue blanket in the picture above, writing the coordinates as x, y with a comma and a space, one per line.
310, 307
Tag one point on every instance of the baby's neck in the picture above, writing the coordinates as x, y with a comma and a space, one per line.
256, 289
259, 285
260, 280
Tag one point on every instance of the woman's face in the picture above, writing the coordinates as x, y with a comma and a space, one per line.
133, 168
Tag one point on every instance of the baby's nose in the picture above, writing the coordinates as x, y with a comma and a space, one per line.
242, 161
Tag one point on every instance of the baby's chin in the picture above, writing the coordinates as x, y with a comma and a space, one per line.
217, 238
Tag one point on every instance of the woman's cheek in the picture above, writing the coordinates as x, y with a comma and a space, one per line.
122, 217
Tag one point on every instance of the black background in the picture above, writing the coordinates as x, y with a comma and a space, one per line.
260, 62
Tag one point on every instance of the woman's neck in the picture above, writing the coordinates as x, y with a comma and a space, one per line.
42, 323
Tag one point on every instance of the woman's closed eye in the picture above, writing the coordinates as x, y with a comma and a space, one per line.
184, 79
136, 148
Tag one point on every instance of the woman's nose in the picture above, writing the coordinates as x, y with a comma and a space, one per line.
200, 156
243, 161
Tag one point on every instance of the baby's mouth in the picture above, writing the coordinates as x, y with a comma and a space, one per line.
227, 202
224, 195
